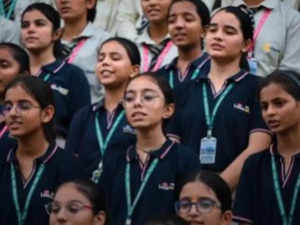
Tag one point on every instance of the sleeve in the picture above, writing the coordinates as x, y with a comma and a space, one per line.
189, 161
10, 32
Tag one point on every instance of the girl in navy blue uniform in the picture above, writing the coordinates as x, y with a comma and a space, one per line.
187, 21
30, 172
140, 183
218, 115
40, 34
13, 61
103, 127
268, 192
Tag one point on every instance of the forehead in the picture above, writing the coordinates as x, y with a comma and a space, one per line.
272, 91
69, 192
197, 189
112, 46
183, 7
17, 93
142, 83
224, 18
6, 54
34, 14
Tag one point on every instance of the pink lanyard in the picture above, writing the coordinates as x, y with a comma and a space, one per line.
160, 59
2, 132
76, 50
260, 25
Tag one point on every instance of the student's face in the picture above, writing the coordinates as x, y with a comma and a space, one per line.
24, 116
145, 104
9, 68
114, 66
156, 10
37, 31
194, 192
224, 39
70, 207
185, 25
280, 110
74, 9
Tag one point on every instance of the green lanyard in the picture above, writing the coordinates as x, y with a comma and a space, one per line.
46, 78
10, 11
103, 144
131, 206
171, 77
22, 215
286, 220
211, 117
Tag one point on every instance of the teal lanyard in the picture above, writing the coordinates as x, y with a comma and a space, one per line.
211, 117
285, 220
131, 206
22, 215
10, 11
171, 77
103, 144
46, 78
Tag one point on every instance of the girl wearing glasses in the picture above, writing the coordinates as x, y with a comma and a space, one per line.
102, 127
140, 183
268, 192
30, 171
77, 202
40, 33
205, 199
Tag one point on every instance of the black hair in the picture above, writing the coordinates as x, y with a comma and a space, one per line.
201, 9
214, 182
53, 16
91, 13
42, 93
167, 220
288, 80
91, 191
130, 47
246, 19
19, 55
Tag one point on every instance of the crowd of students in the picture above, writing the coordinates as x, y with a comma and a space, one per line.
160, 129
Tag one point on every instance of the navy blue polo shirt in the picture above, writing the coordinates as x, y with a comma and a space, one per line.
60, 166
238, 116
256, 201
82, 139
71, 91
159, 195
174, 76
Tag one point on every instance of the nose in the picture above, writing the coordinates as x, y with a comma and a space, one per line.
179, 23
269, 111
61, 215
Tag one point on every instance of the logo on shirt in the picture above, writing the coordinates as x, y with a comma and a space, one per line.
166, 186
241, 107
61, 90
47, 194
129, 130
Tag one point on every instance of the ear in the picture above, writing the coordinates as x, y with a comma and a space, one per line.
227, 217
57, 34
134, 71
247, 45
47, 114
169, 110
90, 4
99, 219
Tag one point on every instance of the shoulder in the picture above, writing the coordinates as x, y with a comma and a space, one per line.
254, 161
85, 112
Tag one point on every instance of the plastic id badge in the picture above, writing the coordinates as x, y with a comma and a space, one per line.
252, 65
208, 149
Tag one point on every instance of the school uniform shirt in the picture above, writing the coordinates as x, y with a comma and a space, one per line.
196, 68
276, 48
237, 117
6, 141
82, 51
159, 195
256, 201
10, 32
59, 167
71, 91
83, 141
153, 55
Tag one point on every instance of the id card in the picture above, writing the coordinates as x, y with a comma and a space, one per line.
252, 65
208, 149
97, 173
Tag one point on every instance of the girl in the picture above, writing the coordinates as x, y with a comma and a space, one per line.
187, 21
270, 181
225, 126
98, 128
140, 183
13, 61
154, 43
40, 34
211, 197
82, 201
80, 37
31, 171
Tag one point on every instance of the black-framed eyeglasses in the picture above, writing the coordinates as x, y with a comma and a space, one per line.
71, 207
204, 205
20, 107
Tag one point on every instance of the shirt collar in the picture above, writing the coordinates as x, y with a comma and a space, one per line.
235, 78
270, 4
160, 153
53, 67
144, 38
100, 106
195, 64
274, 149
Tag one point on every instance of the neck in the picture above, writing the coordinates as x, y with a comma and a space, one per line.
158, 31
223, 71
39, 59
112, 98
288, 142
73, 28
253, 2
149, 140
189, 54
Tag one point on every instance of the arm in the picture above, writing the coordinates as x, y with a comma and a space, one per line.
258, 141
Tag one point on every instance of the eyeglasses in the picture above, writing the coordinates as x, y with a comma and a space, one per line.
20, 107
204, 205
71, 207
146, 98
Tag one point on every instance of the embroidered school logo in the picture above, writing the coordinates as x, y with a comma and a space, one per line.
61, 90
166, 186
128, 130
239, 106
47, 194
